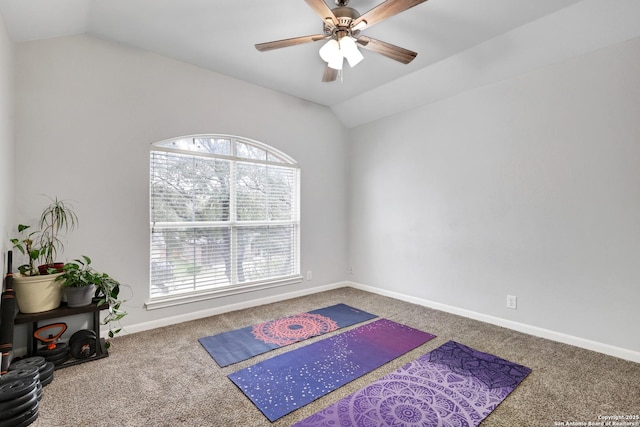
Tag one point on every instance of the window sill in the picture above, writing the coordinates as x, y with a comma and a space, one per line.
170, 301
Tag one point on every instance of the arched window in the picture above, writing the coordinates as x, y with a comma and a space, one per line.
224, 216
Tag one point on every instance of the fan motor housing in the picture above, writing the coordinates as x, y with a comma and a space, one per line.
345, 16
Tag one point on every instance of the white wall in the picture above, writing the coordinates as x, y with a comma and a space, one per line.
6, 145
528, 187
87, 111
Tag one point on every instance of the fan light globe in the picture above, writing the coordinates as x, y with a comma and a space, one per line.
350, 51
330, 51
336, 62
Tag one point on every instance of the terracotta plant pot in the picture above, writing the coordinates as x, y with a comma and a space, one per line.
35, 294
42, 269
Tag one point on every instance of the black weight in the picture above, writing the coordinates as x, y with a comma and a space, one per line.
21, 408
29, 420
37, 361
4, 406
45, 382
81, 334
83, 348
47, 371
39, 392
16, 388
46, 376
59, 349
21, 420
26, 372
59, 359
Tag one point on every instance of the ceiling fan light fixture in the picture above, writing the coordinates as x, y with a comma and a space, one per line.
336, 62
330, 51
350, 51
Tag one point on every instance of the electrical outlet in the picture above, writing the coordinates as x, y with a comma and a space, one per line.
309, 275
512, 302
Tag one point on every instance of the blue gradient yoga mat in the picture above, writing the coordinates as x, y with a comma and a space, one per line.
284, 383
234, 346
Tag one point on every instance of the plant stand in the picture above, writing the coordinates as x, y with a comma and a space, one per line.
31, 320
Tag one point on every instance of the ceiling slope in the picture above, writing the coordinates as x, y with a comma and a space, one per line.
461, 44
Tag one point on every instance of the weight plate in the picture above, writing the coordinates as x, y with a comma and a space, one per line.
59, 359
39, 391
21, 420
45, 382
57, 350
29, 420
37, 361
47, 371
17, 401
19, 409
81, 333
16, 388
26, 372
83, 348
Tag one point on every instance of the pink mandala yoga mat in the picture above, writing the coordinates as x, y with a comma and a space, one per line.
234, 346
454, 385
286, 382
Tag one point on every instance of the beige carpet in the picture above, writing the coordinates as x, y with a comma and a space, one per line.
164, 377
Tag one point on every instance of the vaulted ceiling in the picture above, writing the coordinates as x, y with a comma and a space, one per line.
461, 44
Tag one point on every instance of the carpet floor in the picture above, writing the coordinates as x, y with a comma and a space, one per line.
164, 377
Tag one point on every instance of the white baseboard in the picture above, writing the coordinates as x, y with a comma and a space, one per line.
153, 324
599, 347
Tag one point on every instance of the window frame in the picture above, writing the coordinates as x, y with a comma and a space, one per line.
281, 160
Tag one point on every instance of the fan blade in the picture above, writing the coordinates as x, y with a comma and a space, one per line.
323, 10
394, 52
330, 74
263, 47
385, 10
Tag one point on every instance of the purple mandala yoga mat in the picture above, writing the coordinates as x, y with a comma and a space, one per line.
234, 346
454, 385
284, 383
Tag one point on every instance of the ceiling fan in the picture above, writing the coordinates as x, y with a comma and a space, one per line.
342, 26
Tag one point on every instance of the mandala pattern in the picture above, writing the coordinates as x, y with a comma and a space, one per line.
491, 370
292, 329
427, 393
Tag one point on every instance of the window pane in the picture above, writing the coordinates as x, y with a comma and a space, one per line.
281, 193
247, 151
190, 259
265, 192
251, 200
266, 252
200, 145
189, 188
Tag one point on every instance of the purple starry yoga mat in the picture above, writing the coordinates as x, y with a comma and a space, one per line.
454, 385
234, 346
284, 383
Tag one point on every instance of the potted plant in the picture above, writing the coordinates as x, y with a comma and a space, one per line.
36, 288
79, 276
35, 292
79, 282
58, 216
26, 246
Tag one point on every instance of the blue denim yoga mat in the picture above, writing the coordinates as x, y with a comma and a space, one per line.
235, 346
287, 382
